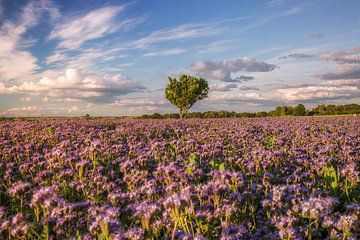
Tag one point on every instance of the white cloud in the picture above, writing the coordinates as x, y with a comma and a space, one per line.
325, 91
56, 57
240, 96
30, 111
88, 59
166, 52
138, 102
317, 92
73, 32
141, 105
215, 47
186, 31
276, 2
222, 70
73, 109
16, 63
75, 84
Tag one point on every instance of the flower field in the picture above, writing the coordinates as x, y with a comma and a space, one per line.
264, 178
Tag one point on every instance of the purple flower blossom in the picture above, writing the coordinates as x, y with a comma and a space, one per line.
19, 187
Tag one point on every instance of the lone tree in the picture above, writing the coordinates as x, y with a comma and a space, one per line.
184, 93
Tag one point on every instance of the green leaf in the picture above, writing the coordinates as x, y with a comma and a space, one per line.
331, 177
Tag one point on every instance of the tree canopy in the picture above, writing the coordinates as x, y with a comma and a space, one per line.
185, 92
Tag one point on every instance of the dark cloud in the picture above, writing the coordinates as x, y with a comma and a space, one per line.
296, 55
245, 78
223, 87
247, 88
222, 70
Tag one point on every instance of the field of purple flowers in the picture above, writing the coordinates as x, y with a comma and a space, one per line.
281, 178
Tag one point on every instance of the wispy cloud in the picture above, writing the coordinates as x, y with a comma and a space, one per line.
215, 47
166, 52
186, 31
73, 32
276, 2
87, 59
15, 62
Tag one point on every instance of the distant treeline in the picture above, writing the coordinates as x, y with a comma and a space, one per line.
298, 110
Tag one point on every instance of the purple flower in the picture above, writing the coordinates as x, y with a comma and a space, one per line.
19, 187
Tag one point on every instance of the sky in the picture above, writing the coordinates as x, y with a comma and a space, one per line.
111, 58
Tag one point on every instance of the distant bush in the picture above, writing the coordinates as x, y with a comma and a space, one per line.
298, 110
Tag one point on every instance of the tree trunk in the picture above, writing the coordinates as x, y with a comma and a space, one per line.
181, 114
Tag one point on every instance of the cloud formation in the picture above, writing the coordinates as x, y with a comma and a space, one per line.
136, 104
342, 72
342, 89
73, 32
29, 111
15, 62
185, 31
249, 88
74, 84
222, 87
343, 57
166, 52
325, 91
297, 56
222, 70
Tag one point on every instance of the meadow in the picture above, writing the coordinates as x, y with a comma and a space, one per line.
261, 178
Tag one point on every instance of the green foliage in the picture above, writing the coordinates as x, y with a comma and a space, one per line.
270, 142
218, 164
51, 130
185, 92
337, 109
280, 111
193, 159
261, 114
331, 178
299, 110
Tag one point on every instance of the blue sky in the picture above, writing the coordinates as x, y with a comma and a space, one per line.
68, 58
